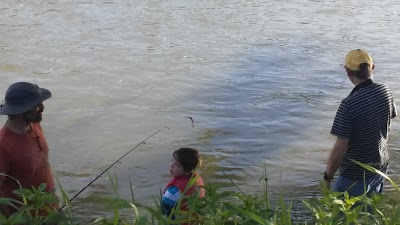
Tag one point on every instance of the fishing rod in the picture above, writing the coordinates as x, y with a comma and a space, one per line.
113, 165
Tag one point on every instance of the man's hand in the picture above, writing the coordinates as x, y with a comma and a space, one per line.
328, 180
328, 184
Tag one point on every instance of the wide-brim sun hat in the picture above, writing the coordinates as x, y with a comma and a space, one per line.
22, 97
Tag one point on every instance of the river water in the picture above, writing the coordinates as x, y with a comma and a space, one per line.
261, 79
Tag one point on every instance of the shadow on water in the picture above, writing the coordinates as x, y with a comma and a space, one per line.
271, 111
261, 108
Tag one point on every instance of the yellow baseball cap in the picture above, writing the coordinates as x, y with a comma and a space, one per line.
356, 57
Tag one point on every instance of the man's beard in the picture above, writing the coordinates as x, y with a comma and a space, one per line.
30, 118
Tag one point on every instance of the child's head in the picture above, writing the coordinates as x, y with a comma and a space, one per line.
184, 161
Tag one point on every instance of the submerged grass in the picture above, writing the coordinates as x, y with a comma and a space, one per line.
218, 207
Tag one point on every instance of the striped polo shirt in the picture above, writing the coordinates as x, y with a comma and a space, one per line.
364, 118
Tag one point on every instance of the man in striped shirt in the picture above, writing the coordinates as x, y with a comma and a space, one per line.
361, 125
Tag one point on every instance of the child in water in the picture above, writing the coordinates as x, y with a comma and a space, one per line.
181, 168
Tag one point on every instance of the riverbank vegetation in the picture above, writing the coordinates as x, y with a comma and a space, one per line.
218, 207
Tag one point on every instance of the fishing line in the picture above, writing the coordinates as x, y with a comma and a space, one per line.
113, 165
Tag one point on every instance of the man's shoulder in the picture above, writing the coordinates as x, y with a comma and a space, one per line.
3, 135
369, 91
4, 142
346, 101
380, 85
8, 139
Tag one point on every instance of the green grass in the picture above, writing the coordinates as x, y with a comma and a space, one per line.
218, 207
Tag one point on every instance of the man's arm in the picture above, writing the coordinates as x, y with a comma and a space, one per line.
4, 166
3, 169
2, 177
394, 110
336, 158
3, 208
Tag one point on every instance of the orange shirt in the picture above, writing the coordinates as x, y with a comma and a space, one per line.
22, 157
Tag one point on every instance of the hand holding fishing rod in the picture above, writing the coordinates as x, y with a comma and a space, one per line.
113, 165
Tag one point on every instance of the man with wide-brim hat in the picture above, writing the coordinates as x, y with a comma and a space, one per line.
23, 147
361, 127
22, 97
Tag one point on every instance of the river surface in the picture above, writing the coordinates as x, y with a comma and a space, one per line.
261, 79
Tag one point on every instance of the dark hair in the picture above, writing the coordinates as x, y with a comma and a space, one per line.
189, 158
364, 72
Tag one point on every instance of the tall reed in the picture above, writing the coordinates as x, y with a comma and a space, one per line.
220, 206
